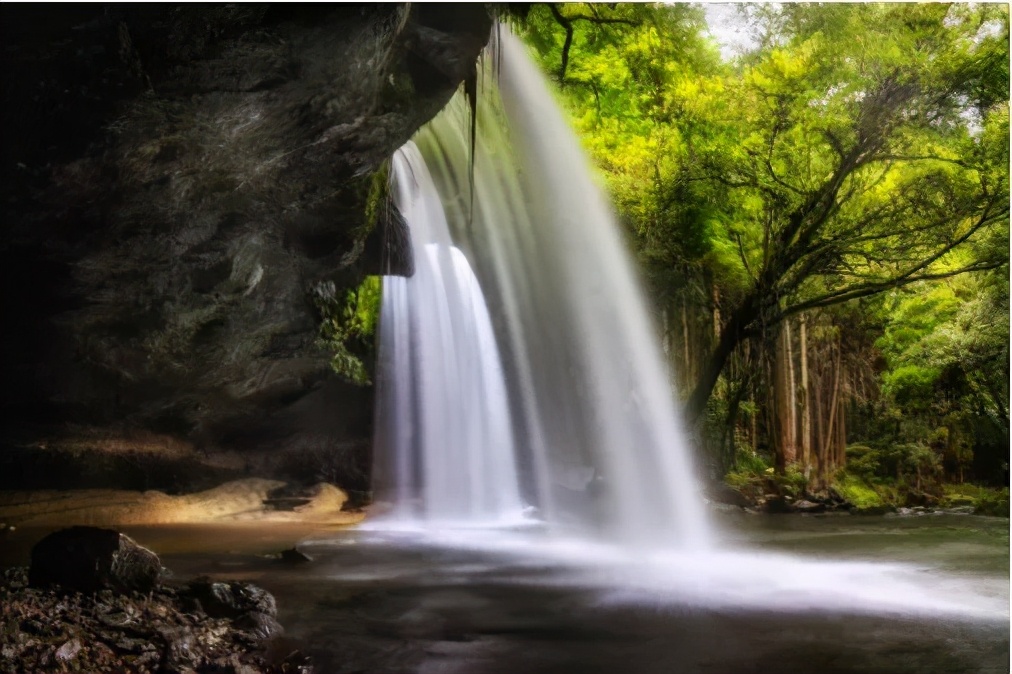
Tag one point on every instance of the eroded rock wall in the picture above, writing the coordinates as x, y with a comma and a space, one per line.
176, 181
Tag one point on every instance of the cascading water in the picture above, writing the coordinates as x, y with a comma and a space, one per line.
593, 437
443, 392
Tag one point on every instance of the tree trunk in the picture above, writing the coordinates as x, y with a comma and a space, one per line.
715, 296
841, 433
685, 346
806, 408
820, 450
828, 445
782, 416
791, 450
730, 336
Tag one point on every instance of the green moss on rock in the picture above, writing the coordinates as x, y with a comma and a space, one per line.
866, 498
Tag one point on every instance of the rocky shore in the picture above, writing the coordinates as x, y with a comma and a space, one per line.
776, 501
95, 601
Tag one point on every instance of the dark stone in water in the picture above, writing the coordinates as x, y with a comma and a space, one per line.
293, 556
777, 505
805, 506
261, 625
231, 599
89, 559
251, 608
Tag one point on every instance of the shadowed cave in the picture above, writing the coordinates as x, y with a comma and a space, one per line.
178, 184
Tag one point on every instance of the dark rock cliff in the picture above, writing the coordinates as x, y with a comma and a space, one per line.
176, 181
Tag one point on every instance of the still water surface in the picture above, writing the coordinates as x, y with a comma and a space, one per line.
784, 594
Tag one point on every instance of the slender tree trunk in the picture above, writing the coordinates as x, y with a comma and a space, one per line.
689, 378
679, 381
806, 407
754, 427
828, 444
791, 450
782, 416
820, 452
715, 296
841, 434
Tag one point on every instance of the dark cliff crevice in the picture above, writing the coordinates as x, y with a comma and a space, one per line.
176, 180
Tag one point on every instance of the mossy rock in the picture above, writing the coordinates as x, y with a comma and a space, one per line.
863, 497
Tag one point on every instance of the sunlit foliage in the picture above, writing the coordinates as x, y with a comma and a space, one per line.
858, 156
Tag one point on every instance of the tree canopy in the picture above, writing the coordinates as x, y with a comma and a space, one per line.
857, 157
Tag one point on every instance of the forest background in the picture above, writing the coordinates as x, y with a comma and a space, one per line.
823, 218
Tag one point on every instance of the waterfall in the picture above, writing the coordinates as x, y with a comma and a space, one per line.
443, 395
577, 389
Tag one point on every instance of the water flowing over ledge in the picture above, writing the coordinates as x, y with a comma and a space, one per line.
590, 421
448, 449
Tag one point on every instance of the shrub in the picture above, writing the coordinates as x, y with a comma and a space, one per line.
752, 462
985, 500
859, 493
864, 461
994, 502
792, 483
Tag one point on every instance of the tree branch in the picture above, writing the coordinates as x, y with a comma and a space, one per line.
741, 254
867, 289
567, 23
919, 157
603, 20
568, 26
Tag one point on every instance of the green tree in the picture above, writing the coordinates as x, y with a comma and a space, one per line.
858, 151
868, 151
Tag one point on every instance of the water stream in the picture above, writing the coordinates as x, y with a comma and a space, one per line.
831, 595
590, 420
447, 448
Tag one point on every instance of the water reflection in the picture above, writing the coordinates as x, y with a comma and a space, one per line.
520, 601
872, 581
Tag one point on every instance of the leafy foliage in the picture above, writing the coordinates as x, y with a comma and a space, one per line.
349, 323
861, 494
851, 169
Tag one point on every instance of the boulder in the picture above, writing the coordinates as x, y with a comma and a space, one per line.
249, 607
777, 505
719, 492
294, 556
806, 506
88, 559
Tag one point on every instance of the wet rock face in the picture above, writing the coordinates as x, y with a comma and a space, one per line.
175, 182
89, 559
248, 606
